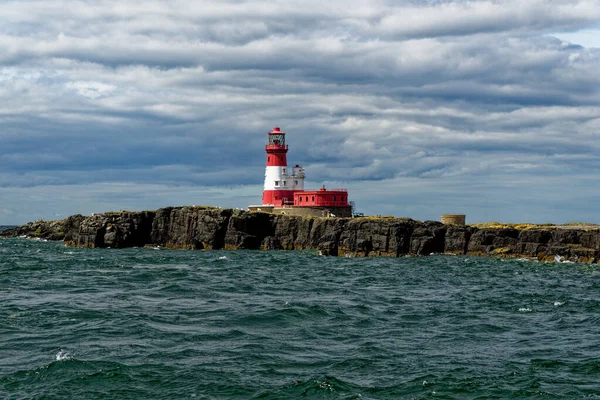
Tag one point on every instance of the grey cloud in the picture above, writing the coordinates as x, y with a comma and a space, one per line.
406, 102
461, 18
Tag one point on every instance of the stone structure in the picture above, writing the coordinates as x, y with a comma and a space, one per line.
331, 211
453, 219
321, 211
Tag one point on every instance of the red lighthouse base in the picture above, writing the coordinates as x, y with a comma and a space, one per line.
278, 198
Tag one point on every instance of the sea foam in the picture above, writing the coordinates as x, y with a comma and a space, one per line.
62, 355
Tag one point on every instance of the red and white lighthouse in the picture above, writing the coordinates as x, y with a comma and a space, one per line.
280, 181
284, 187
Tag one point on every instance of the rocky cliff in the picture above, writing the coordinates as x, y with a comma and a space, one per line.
215, 228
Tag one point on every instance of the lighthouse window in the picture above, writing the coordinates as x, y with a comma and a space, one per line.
276, 183
296, 182
284, 183
313, 198
333, 198
269, 158
284, 170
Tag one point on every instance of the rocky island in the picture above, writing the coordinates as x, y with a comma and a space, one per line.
216, 228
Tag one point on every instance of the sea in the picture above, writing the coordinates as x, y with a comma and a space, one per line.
151, 323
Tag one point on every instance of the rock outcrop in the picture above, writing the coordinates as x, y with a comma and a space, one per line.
190, 227
215, 228
48, 230
113, 229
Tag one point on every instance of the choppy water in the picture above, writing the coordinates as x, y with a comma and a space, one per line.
158, 324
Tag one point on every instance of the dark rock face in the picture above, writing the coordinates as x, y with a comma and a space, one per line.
486, 241
124, 229
428, 238
534, 242
271, 243
247, 230
367, 236
190, 228
590, 239
214, 228
293, 232
457, 239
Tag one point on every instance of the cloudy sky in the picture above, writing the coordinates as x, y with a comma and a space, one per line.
489, 108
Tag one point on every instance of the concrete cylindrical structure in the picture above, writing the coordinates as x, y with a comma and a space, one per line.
453, 219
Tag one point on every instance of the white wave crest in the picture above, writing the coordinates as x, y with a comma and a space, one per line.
562, 260
62, 355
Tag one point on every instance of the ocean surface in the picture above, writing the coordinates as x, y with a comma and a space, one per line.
167, 324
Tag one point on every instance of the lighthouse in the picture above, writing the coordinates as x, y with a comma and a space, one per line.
280, 181
284, 187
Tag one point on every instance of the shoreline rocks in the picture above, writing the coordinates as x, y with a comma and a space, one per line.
216, 228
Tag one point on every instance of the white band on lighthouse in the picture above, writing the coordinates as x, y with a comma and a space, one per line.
277, 178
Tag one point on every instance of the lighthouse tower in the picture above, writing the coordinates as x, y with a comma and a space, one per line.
280, 181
